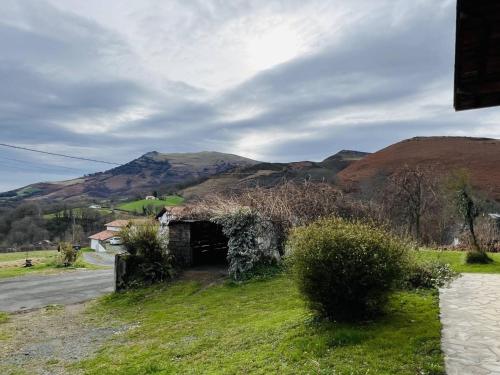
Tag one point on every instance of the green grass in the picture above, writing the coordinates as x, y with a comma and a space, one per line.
45, 262
78, 212
260, 328
136, 206
5, 257
4, 317
456, 259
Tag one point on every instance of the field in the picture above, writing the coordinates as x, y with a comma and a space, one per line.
260, 327
136, 206
456, 259
12, 264
78, 212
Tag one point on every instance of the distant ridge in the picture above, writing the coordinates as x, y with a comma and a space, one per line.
269, 174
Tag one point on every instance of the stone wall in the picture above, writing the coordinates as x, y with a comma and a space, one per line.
121, 272
179, 243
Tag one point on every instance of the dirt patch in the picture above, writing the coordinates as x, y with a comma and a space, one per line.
47, 340
206, 275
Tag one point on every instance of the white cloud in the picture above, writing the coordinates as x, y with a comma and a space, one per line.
272, 80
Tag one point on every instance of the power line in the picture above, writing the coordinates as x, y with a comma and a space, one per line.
56, 154
41, 165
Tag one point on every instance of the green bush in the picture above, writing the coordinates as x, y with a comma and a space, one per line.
145, 240
429, 275
346, 269
149, 261
67, 254
477, 257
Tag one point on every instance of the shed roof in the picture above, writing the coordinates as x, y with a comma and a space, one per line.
477, 54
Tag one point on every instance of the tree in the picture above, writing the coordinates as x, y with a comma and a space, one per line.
409, 194
467, 210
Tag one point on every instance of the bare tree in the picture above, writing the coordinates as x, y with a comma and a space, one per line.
410, 193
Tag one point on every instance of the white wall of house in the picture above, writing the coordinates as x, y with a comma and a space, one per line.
97, 245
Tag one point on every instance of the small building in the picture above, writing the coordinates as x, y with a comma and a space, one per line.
193, 242
151, 198
100, 240
197, 243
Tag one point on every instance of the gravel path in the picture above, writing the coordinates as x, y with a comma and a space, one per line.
470, 314
48, 340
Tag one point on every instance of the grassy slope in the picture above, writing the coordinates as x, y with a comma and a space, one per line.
137, 205
261, 328
457, 261
44, 262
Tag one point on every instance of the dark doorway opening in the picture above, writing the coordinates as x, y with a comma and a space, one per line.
208, 244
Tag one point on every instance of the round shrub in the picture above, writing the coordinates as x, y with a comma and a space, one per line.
346, 269
429, 275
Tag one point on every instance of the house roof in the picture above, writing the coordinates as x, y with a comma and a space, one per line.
103, 236
117, 223
477, 57
124, 223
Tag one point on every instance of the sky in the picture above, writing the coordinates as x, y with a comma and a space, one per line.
270, 80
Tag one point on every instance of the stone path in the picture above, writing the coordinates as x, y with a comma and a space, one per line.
470, 314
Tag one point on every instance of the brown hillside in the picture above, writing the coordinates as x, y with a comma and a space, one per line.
270, 174
480, 156
152, 171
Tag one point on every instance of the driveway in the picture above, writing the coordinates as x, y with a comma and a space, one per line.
100, 259
30, 292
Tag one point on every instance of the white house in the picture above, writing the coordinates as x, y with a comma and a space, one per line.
150, 198
99, 240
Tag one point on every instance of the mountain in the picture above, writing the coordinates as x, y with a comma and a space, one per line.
269, 174
480, 156
152, 171
193, 174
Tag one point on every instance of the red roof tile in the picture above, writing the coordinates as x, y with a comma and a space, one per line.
104, 235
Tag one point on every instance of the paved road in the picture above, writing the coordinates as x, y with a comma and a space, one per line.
470, 314
100, 259
30, 292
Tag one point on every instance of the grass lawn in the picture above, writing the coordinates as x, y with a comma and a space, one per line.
260, 327
136, 206
457, 261
11, 264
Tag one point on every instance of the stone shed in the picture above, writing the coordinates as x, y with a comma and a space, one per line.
197, 243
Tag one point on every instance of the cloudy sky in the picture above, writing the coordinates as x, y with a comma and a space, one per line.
271, 80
